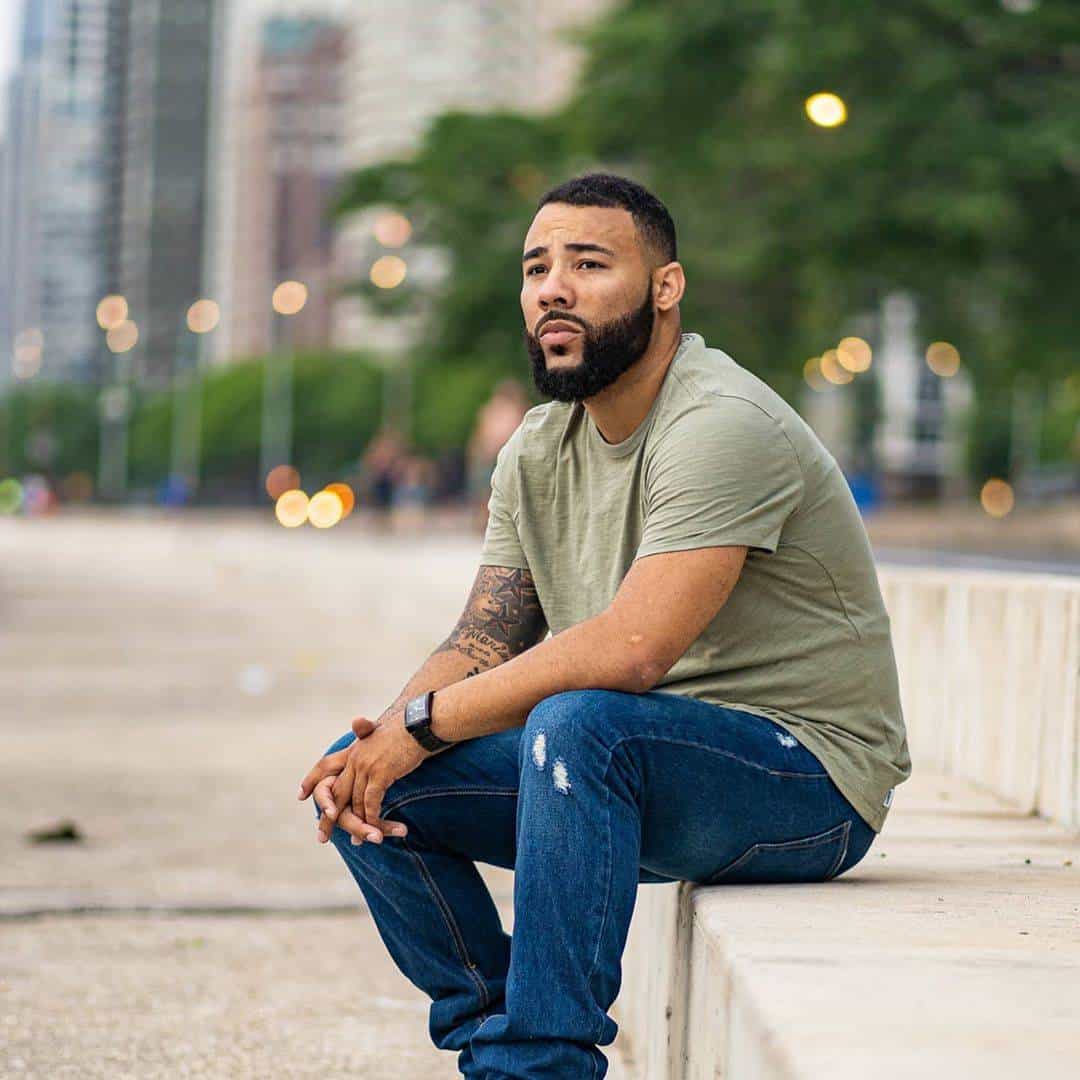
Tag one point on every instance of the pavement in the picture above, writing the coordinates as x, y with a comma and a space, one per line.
166, 682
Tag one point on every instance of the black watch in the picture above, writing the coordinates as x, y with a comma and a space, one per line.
418, 723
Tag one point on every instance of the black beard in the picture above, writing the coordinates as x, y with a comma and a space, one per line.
607, 351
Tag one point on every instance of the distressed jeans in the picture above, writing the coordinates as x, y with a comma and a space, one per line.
599, 791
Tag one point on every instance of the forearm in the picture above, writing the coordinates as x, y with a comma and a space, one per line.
586, 656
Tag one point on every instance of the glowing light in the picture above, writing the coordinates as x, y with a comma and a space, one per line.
281, 478
388, 272
345, 494
26, 357
393, 229
289, 297
997, 497
943, 359
854, 354
325, 509
112, 311
11, 495
291, 508
831, 369
122, 337
826, 110
812, 374
203, 316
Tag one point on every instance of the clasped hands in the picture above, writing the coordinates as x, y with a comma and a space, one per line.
349, 784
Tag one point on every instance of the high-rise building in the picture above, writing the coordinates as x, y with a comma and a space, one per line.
288, 170
53, 192
168, 92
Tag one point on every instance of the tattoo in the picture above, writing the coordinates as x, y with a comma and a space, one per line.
502, 618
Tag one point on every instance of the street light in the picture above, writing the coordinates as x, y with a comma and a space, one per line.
275, 446
200, 318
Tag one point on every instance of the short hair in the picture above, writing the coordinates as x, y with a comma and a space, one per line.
604, 189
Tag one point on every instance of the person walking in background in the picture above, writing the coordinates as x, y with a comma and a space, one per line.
381, 468
496, 421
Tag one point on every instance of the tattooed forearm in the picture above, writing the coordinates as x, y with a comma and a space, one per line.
502, 618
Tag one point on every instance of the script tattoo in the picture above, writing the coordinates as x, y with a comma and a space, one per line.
502, 618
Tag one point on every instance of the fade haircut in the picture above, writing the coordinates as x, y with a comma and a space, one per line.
650, 215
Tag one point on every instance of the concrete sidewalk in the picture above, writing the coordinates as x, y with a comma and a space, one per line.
166, 684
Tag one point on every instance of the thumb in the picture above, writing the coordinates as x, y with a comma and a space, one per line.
363, 726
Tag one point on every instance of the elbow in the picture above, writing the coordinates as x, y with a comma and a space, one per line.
641, 675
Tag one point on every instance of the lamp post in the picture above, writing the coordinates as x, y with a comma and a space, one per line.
275, 446
200, 318
114, 400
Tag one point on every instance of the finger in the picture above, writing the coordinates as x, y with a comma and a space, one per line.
340, 789
373, 797
322, 795
358, 828
330, 763
362, 726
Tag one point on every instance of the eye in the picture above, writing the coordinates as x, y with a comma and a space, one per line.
537, 266
590, 262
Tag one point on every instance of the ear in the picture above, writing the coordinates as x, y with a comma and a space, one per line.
669, 284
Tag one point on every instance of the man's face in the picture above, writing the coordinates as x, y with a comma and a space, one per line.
586, 296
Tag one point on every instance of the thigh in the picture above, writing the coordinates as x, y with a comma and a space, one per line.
730, 797
463, 800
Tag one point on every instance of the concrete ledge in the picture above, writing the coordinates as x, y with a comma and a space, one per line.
952, 949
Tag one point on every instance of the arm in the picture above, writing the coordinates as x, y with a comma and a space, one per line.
502, 618
598, 653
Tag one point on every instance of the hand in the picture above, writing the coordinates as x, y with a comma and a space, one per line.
363, 772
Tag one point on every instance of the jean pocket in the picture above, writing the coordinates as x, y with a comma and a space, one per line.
811, 858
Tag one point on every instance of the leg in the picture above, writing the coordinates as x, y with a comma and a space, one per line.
430, 905
612, 784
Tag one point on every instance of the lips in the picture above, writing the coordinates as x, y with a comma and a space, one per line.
559, 331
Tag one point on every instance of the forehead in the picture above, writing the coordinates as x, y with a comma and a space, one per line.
556, 224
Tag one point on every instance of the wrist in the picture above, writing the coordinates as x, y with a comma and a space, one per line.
418, 723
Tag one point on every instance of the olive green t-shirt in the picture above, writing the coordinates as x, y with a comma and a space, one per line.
720, 459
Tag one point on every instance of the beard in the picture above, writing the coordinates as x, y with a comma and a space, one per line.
607, 351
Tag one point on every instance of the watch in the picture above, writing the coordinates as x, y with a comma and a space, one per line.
418, 723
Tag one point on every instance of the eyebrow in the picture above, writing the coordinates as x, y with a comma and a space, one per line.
536, 252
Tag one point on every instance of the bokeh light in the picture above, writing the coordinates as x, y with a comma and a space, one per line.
392, 229
11, 496
943, 359
289, 297
291, 508
826, 110
122, 337
325, 509
281, 478
831, 369
997, 497
345, 494
854, 354
388, 272
203, 316
112, 310
812, 374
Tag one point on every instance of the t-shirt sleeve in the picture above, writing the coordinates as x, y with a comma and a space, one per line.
501, 545
723, 473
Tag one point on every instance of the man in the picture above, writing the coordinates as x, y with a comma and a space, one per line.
718, 702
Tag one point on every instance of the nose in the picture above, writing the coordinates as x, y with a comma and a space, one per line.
554, 292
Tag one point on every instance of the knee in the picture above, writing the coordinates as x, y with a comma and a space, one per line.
565, 721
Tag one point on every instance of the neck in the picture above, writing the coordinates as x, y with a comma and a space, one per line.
619, 408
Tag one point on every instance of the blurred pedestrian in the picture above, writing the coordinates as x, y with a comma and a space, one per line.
497, 420
381, 466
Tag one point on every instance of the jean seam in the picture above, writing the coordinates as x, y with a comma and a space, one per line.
843, 852
451, 925
723, 753
804, 843
610, 871
431, 793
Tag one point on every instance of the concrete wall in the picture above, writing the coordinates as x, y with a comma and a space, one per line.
989, 669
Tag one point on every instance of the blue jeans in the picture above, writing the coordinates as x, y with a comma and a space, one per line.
598, 792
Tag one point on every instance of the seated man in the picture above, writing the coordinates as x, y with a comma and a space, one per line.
718, 701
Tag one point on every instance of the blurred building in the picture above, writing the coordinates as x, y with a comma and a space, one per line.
413, 60
52, 191
289, 132
168, 89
